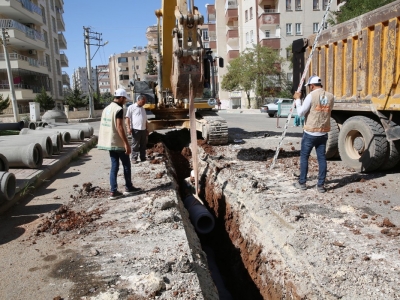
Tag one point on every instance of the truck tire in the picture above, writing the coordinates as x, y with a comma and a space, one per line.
332, 143
392, 156
362, 144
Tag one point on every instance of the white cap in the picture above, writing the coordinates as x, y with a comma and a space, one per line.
313, 79
122, 93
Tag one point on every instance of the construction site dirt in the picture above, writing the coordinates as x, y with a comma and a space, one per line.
270, 241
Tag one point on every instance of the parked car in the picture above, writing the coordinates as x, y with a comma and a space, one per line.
272, 108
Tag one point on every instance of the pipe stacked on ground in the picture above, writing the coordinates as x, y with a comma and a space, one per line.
7, 186
3, 163
56, 138
201, 218
30, 155
16, 140
85, 127
75, 134
12, 126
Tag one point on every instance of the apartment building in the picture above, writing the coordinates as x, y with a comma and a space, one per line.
80, 80
271, 23
103, 79
126, 67
35, 46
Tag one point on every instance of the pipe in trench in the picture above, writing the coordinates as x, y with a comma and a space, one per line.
3, 163
201, 218
75, 135
45, 142
12, 126
7, 186
56, 138
30, 155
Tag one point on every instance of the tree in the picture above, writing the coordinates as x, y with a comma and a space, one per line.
355, 8
106, 98
151, 68
46, 102
4, 103
75, 98
257, 69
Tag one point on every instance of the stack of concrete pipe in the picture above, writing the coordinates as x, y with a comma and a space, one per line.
85, 127
75, 134
30, 155
56, 137
7, 180
44, 141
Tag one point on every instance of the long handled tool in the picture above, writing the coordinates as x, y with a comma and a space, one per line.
321, 25
193, 134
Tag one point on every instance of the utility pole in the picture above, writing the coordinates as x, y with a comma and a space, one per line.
90, 35
4, 38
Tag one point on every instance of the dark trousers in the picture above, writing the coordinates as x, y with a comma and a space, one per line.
116, 156
308, 142
139, 141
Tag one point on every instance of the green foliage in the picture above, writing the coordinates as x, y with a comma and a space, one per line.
257, 69
46, 102
290, 58
355, 8
75, 98
4, 103
151, 68
106, 98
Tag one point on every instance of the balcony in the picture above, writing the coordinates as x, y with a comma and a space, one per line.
64, 60
18, 61
266, 20
23, 10
152, 32
62, 42
60, 20
23, 37
211, 16
231, 15
232, 54
65, 79
59, 3
273, 43
232, 35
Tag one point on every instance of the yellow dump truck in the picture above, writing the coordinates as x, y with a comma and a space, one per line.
359, 62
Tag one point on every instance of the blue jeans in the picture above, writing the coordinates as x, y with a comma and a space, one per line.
307, 144
115, 157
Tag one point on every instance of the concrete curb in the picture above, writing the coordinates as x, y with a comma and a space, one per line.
46, 173
86, 120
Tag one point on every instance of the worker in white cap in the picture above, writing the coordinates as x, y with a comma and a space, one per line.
316, 108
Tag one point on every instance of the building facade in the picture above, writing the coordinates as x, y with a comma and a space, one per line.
35, 45
80, 80
103, 79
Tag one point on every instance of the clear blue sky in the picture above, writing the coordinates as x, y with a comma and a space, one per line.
123, 24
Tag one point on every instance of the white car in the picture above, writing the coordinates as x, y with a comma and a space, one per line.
272, 108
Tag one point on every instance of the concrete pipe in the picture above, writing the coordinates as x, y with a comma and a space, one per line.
85, 127
12, 126
201, 218
56, 138
32, 125
45, 142
8, 184
30, 155
3, 163
65, 135
76, 135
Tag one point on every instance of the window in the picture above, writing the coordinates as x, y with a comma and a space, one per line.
56, 46
43, 14
46, 38
58, 67
315, 27
137, 67
204, 33
48, 62
251, 13
247, 37
137, 57
51, 85
53, 23
288, 53
251, 36
123, 77
315, 4
206, 45
325, 4
297, 4
246, 17
60, 90
298, 29
122, 60
52, 5
288, 4
289, 76
267, 33
289, 29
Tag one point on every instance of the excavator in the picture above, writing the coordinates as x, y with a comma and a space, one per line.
184, 67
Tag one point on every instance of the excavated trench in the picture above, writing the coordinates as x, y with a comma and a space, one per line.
237, 261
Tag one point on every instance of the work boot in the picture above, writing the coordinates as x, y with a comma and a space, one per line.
300, 186
115, 195
321, 189
130, 191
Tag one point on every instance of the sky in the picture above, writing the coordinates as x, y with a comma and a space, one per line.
122, 23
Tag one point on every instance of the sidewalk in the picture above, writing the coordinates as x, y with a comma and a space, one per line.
28, 179
239, 111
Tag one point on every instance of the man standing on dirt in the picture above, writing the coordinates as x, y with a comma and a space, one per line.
136, 124
316, 108
112, 137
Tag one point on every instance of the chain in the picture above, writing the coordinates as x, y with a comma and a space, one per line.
301, 83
